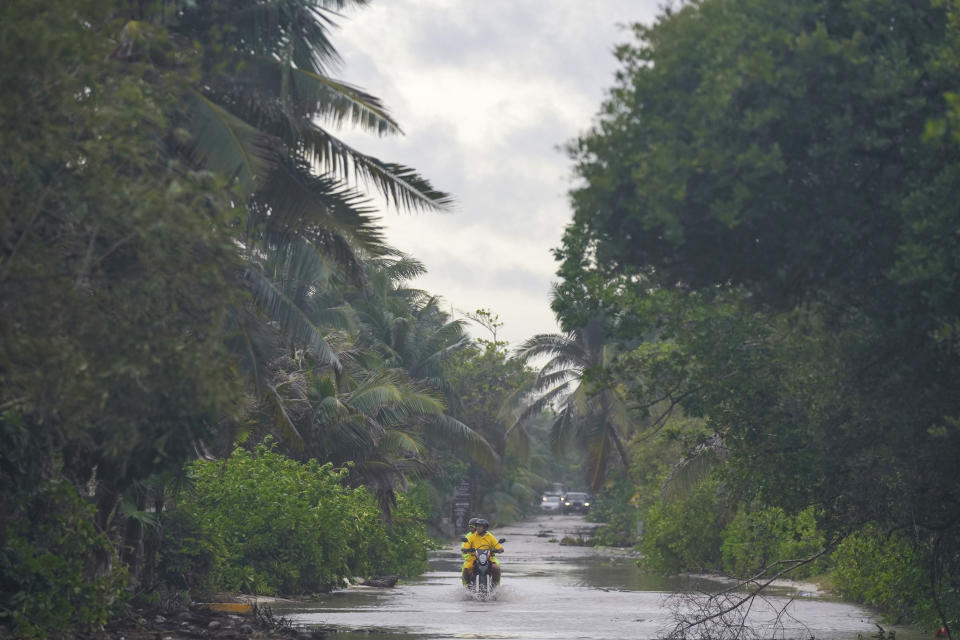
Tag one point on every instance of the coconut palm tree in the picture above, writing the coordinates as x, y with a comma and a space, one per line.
592, 415
264, 101
382, 421
261, 111
406, 326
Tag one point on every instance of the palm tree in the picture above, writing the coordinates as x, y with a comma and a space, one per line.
259, 106
595, 416
406, 326
260, 111
380, 420
264, 90
373, 394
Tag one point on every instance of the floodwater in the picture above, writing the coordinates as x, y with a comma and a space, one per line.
553, 591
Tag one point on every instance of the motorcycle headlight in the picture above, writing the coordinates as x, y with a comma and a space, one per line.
586, 504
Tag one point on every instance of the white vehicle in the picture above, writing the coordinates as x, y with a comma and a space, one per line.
550, 503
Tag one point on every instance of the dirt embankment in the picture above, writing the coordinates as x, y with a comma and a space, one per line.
254, 621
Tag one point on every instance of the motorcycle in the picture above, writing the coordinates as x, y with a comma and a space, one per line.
481, 579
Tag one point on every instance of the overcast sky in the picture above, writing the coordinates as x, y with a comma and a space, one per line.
486, 92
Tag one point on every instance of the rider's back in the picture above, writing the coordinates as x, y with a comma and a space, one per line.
477, 541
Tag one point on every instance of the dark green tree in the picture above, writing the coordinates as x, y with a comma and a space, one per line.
787, 171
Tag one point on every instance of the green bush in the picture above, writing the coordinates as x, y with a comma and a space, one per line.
613, 507
189, 557
684, 534
889, 572
756, 539
377, 548
259, 522
58, 574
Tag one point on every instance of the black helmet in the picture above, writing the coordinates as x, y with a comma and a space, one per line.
482, 522
473, 522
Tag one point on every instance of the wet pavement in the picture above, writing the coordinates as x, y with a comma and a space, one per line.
557, 591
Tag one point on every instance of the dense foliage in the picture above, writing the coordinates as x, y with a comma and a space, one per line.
766, 206
57, 570
487, 383
281, 526
188, 260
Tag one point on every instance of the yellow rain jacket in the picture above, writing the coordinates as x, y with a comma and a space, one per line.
477, 541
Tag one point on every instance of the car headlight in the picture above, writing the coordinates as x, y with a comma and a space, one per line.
543, 498
567, 504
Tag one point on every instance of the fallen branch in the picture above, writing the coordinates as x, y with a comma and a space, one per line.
724, 615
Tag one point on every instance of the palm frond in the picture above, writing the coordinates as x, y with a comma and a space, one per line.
401, 186
519, 440
295, 202
400, 267
562, 430
291, 319
284, 100
450, 430
598, 450
618, 414
351, 439
298, 269
551, 344
330, 410
375, 397
254, 345
545, 401
402, 442
297, 28
549, 380
225, 143
337, 101
694, 468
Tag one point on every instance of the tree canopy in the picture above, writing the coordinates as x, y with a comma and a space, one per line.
766, 200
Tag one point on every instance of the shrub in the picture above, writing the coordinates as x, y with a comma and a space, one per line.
889, 572
58, 574
613, 507
190, 556
259, 522
684, 534
379, 548
281, 523
754, 539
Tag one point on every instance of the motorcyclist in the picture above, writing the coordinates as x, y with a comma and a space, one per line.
468, 555
479, 539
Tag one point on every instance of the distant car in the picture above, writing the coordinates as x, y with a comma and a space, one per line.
575, 501
550, 503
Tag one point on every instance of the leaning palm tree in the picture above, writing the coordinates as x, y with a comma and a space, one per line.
266, 101
593, 416
262, 111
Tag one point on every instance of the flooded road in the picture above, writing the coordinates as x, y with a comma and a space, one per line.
555, 591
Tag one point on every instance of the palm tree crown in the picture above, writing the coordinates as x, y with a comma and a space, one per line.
594, 416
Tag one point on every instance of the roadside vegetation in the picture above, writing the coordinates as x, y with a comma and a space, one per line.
764, 235
217, 375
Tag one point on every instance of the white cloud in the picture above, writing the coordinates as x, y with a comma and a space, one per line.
486, 92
